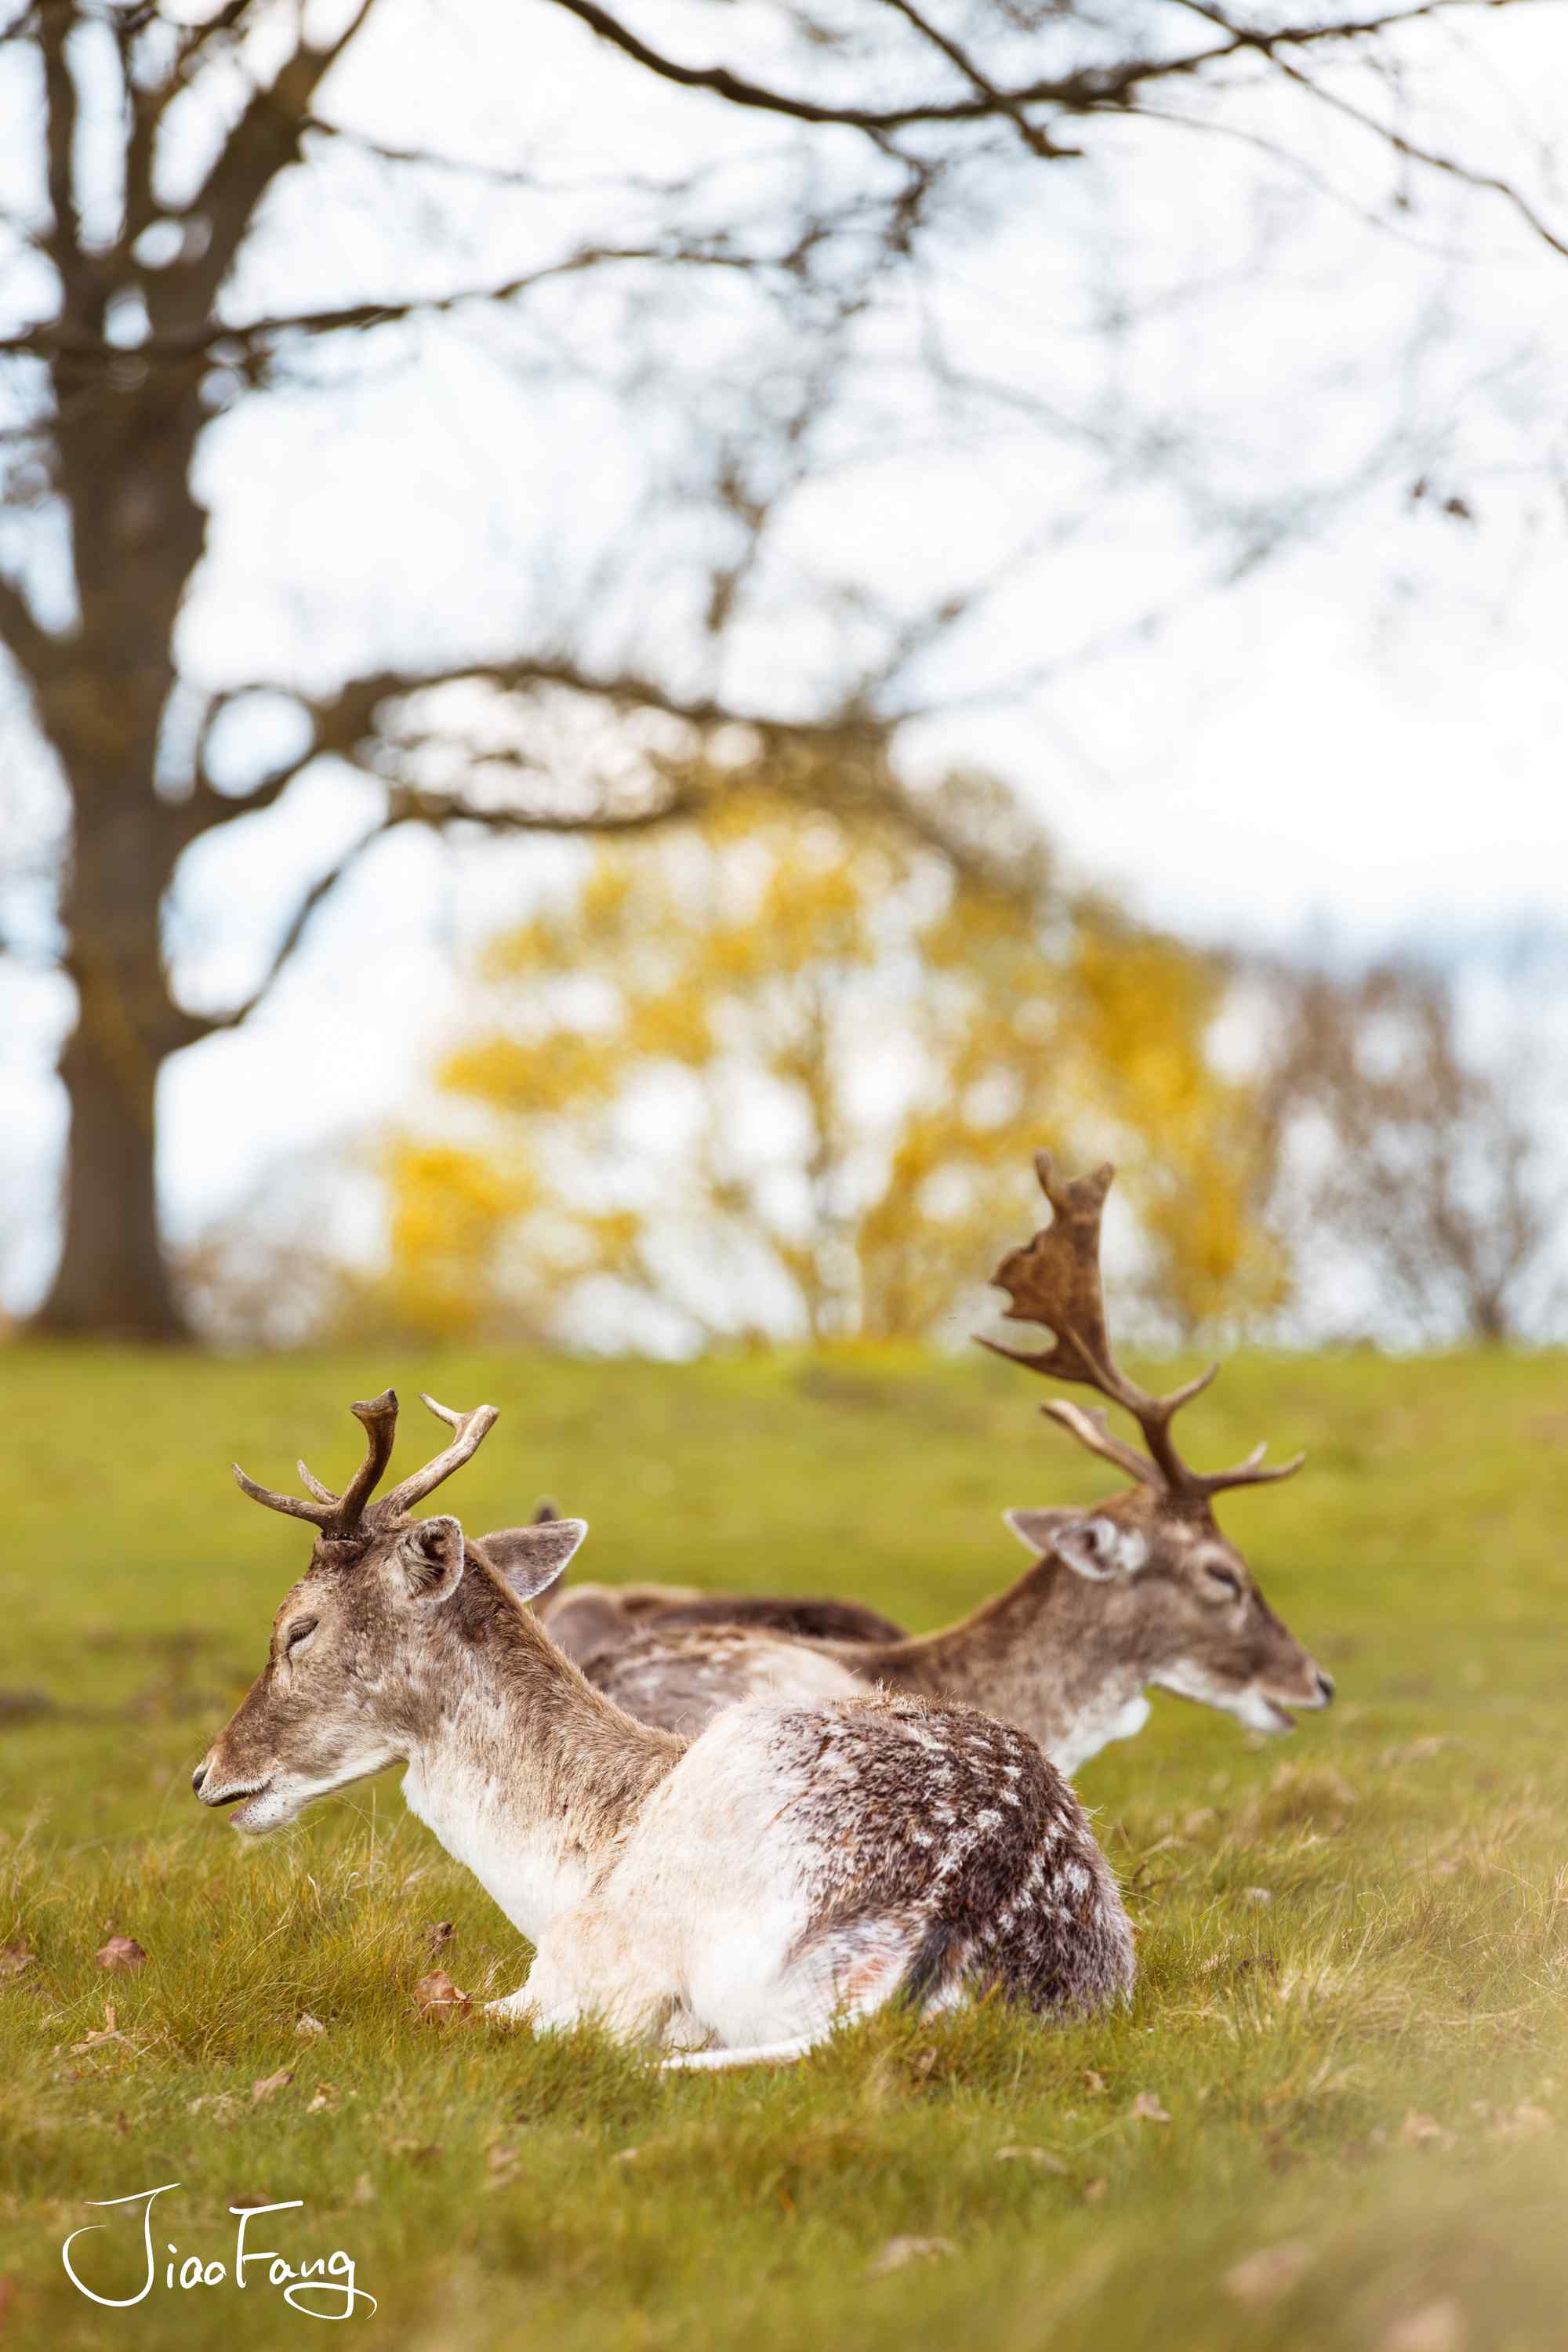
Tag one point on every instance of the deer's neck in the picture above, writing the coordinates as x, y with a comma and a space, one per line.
1027, 1657
526, 1774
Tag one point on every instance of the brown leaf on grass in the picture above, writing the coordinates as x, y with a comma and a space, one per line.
121, 1952
14, 1957
1436, 2326
1092, 2079
1148, 2108
1262, 2278
416, 2151
898, 2252
309, 2028
500, 2163
437, 1937
1424, 2131
439, 1998
325, 2095
269, 2085
1041, 2156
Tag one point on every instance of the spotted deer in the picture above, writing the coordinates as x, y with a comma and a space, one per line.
794, 1866
1142, 1591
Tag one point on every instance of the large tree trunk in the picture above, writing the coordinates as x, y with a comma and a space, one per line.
112, 1280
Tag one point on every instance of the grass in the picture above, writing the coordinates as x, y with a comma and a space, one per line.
1353, 1946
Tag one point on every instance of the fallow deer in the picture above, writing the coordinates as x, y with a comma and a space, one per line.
794, 1866
1142, 1591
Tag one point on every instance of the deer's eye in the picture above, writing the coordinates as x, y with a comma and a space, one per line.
1223, 1581
297, 1636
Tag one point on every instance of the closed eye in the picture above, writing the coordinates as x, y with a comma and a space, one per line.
297, 1636
1223, 1581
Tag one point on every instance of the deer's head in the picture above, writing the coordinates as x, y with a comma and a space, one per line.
1159, 1578
361, 1641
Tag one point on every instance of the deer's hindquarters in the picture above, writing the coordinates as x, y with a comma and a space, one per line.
877, 1849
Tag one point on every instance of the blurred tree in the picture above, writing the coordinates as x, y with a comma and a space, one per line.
1432, 1168
782, 1074
167, 185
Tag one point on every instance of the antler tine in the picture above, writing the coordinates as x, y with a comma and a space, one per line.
472, 1429
1249, 1473
338, 1514
1090, 1427
321, 1513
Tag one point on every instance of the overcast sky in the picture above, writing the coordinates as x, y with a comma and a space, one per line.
1362, 736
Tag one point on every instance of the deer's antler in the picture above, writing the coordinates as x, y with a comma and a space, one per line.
338, 1515
472, 1429
1054, 1280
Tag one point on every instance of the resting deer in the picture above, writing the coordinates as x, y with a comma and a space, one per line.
1144, 1589
794, 1866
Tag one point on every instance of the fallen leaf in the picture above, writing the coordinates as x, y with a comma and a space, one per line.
438, 1996
309, 2028
500, 2163
14, 1957
1263, 2277
416, 2151
438, 1937
121, 1952
1433, 2327
899, 2252
1091, 2080
1424, 2131
269, 2085
1147, 2106
324, 2095
1041, 2156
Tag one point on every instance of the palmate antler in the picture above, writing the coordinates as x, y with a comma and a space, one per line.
348, 1513
1054, 1280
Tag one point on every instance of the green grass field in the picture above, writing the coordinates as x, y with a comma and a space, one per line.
1347, 2056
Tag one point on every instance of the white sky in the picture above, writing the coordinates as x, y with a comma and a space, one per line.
1363, 736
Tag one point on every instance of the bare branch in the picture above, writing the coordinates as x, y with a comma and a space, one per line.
53, 26
1037, 141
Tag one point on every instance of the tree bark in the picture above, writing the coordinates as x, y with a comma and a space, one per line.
113, 1279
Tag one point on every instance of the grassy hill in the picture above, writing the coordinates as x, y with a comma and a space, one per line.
1345, 2071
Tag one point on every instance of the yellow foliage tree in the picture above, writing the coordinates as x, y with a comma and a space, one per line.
781, 1075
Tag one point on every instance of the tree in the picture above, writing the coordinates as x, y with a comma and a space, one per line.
782, 1073
1429, 1170
168, 182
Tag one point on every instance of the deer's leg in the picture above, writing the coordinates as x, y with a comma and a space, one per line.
585, 1970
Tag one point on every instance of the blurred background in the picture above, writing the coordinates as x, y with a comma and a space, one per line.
641, 647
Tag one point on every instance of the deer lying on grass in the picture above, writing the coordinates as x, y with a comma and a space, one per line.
1142, 1590
794, 1866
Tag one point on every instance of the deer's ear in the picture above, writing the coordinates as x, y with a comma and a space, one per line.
531, 1559
1090, 1544
429, 1559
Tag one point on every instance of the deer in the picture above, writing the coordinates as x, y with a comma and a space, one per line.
1142, 1591
733, 1898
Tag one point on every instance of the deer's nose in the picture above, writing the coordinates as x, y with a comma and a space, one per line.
197, 1777
1325, 1686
